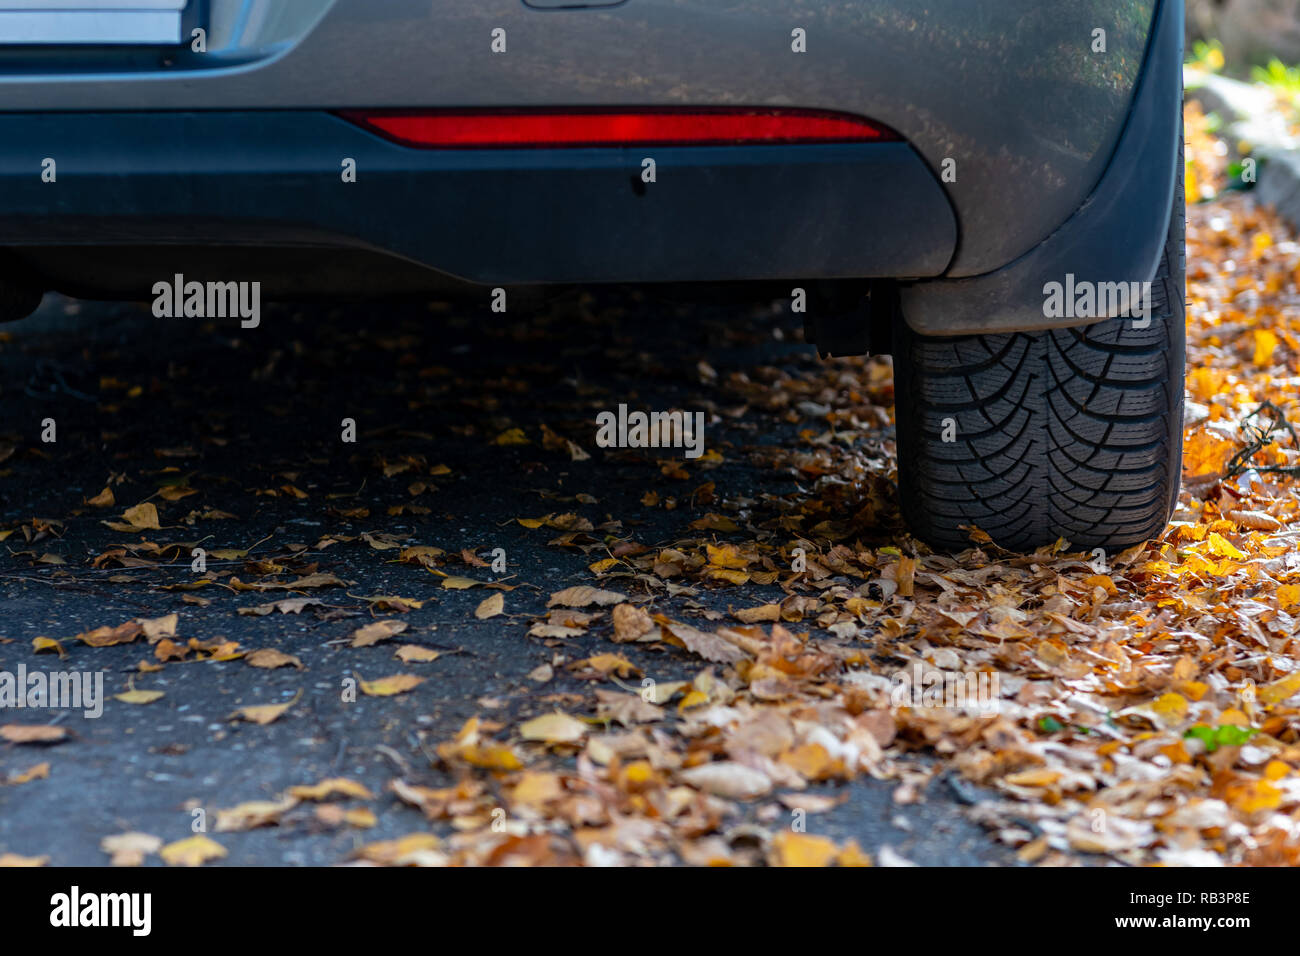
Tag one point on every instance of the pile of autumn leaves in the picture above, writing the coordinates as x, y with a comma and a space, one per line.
1147, 708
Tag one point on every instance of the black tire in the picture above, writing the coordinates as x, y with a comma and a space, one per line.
1072, 433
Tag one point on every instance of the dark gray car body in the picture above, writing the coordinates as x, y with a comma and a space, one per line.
1014, 92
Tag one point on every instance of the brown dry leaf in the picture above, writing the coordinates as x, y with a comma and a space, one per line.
414, 653
108, 636
555, 631
333, 787
754, 615
554, 729
360, 818
192, 851
134, 696
602, 665
39, 772
904, 576
584, 596
490, 606
708, 646
287, 606
728, 779
415, 849
253, 814
141, 517
33, 734
632, 623
130, 849
104, 499
168, 650
269, 659
319, 580
155, 629
393, 604
377, 631
626, 709
388, 686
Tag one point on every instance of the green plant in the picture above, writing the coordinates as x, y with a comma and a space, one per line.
1282, 78
1207, 56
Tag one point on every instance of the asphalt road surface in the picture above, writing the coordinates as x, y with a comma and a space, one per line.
235, 436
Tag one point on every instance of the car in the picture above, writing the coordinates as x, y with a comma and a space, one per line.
989, 192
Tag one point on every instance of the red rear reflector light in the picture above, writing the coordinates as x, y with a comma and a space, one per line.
465, 129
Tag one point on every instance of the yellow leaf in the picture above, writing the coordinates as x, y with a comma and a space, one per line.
334, 786
388, 686
1223, 548
409, 849
194, 851
494, 757
40, 644
263, 713
1033, 778
1280, 690
457, 583
417, 654
1265, 344
39, 772
490, 606
802, 849
138, 696
1170, 708
607, 664
142, 517
1288, 596
726, 556
511, 436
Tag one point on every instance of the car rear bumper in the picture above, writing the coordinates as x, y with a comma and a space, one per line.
498, 216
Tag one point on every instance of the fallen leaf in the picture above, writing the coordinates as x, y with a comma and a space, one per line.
333, 787
33, 734
490, 606
554, 729
130, 849
414, 653
377, 631
269, 658
584, 596
388, 686
193, 851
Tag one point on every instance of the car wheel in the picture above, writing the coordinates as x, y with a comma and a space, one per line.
1071, 433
